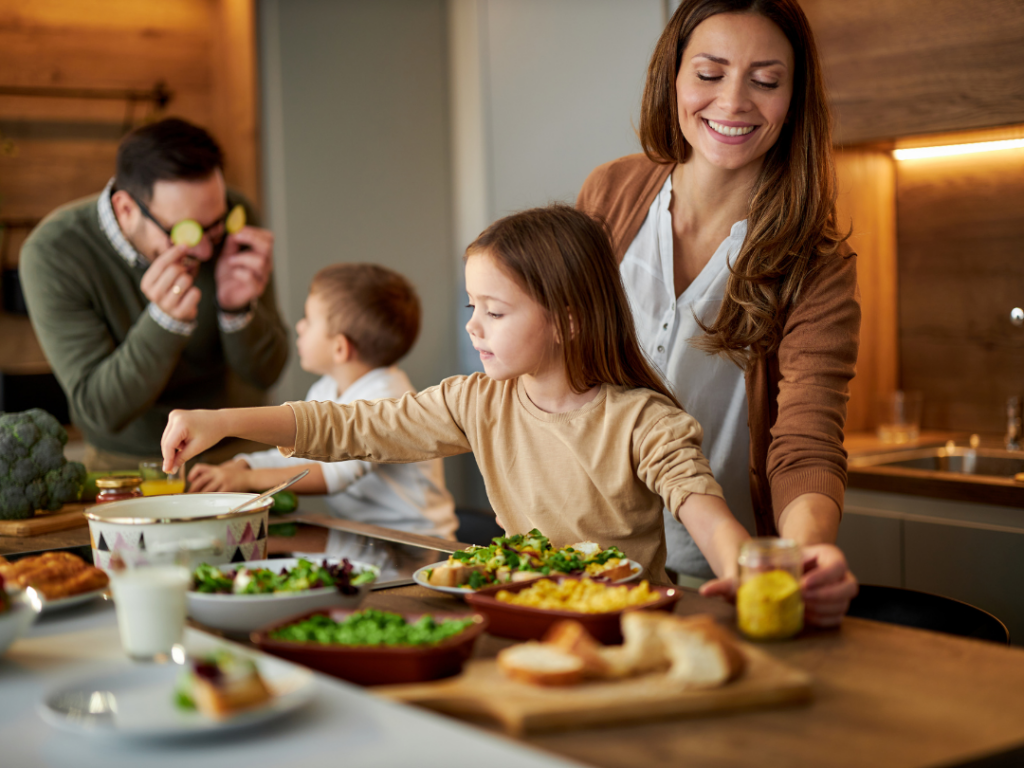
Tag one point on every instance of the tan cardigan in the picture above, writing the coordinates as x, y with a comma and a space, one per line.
796, 396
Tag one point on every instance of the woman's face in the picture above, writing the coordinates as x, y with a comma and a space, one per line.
733, 89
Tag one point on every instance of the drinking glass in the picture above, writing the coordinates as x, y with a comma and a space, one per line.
149, 594
156, 482
899, 417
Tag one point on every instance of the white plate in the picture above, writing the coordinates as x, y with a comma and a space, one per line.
145, 700
247, 613
66, 602
420, 577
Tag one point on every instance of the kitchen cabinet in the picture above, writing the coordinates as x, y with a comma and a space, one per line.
967, 551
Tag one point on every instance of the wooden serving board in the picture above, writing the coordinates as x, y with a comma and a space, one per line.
68, 516
483, 692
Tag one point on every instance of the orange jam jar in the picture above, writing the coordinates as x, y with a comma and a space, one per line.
118, 488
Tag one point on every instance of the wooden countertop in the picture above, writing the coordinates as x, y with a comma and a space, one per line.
883, 696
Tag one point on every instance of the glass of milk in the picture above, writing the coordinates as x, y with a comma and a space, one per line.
149, 594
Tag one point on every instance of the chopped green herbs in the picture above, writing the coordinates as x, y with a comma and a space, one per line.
371, 627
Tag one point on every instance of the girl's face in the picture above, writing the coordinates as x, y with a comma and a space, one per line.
510, 330
315, 342
733, 89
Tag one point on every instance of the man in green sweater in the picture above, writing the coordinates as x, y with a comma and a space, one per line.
135, 326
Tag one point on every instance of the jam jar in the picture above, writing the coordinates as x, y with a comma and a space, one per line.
769, 605
118, 488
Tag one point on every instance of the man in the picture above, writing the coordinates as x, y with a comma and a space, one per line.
135, 326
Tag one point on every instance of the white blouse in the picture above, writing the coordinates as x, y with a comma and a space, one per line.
710, 387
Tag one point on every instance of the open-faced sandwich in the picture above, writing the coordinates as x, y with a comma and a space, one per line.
220, 684
305, 575
527, 556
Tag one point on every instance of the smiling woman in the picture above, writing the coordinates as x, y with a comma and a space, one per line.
742, 288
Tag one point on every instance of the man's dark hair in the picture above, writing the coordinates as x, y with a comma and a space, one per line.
169, 150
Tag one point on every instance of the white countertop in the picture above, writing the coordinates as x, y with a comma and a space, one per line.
344, 725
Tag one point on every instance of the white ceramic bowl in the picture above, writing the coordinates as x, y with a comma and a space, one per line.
247, 613
16, 620
161, 522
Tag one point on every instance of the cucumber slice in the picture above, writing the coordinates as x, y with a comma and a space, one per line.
235, 220
187, 232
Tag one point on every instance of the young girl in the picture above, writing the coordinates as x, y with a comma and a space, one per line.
573, 431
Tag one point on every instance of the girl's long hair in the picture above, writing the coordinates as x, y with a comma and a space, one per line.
791, 223
564, 261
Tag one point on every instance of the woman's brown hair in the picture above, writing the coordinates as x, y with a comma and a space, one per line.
564, 261
791, 220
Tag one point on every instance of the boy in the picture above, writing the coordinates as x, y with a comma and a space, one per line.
359, 320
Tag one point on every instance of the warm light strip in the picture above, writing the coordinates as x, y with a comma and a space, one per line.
956, 149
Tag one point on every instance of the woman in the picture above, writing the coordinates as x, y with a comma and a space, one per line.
742, 287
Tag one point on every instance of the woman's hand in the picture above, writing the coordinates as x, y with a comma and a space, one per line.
827, 586
187, 434
229, 476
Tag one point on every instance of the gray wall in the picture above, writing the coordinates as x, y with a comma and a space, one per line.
394, 131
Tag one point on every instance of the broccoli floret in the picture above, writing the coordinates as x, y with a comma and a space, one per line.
23, 472
48, 453
11, 449
65, 484
13, 504
47, 424
37, 495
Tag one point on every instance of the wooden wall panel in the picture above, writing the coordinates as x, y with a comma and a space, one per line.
920, 66
867, 206
961, 270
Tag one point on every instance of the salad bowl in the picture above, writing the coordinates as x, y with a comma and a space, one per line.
243, 613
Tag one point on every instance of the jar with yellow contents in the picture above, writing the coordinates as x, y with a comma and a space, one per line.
769, 605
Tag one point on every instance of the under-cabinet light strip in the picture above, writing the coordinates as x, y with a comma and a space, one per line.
956, 149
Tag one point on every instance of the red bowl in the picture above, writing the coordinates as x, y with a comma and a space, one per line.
377, 665
522, 622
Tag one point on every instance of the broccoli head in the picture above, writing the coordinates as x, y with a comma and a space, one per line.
33, 471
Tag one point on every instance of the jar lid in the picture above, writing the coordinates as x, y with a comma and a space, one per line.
119, 481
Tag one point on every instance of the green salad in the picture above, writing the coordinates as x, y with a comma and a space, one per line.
265, 581
371, 627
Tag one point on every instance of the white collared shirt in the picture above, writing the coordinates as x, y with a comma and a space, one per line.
711, 388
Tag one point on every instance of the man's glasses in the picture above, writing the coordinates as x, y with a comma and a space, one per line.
190, 232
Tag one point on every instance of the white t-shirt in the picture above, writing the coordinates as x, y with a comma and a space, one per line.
406, 497
710, 388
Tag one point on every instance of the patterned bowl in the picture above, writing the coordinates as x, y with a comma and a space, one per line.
134, 526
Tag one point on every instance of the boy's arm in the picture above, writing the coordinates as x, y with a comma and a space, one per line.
189, 433
237, 475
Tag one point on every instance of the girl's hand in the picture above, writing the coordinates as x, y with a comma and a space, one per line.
187, 434
229, 476
827, 585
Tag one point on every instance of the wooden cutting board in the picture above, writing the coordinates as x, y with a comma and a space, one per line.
482, 692
68, 516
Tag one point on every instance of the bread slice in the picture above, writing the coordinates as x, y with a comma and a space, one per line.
541, 664
703, 654
642, 648
453, 574
621, 571
222, 701
571, 636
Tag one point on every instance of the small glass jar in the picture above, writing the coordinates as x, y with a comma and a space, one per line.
118, 488
769, 605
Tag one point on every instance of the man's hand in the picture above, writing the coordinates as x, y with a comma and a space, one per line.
827, 586
244, 268
229, 476
187, 434
168, 283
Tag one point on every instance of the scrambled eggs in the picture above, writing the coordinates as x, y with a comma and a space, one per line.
580, 595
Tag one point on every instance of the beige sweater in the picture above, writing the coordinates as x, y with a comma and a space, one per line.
600, 473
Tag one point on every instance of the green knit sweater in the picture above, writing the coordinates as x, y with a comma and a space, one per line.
122, 372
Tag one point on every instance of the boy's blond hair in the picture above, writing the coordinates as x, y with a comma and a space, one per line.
374, 307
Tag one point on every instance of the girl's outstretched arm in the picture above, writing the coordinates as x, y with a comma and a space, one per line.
714, 529
189, 433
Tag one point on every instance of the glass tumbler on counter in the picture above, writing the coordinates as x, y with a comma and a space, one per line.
899, 417
769, 605
156, 482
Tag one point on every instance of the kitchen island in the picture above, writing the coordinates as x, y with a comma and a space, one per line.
883, 696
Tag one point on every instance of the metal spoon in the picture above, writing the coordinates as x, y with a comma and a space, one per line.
271, 492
